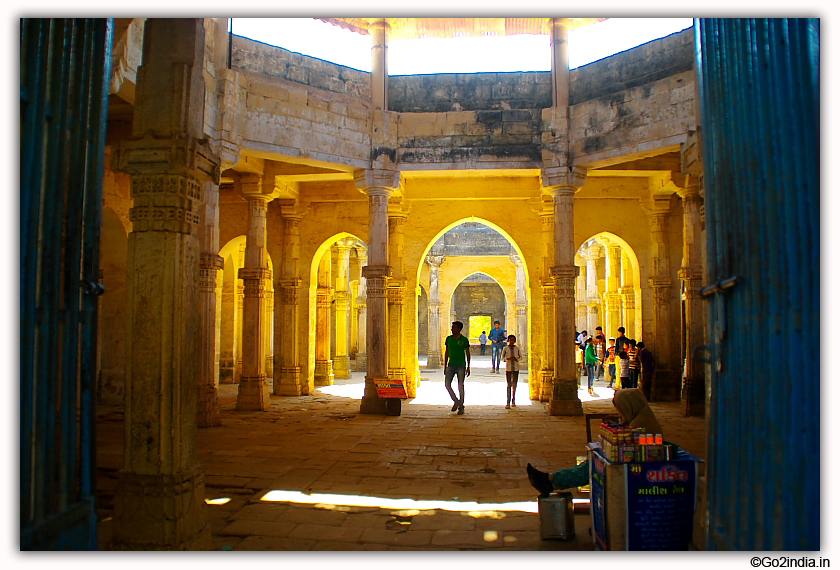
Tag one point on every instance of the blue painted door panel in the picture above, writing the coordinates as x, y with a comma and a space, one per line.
760, 109
64, 68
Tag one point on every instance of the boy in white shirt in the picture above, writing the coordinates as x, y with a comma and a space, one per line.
511, 356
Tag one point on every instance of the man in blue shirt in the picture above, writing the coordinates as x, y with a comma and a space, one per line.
499, 338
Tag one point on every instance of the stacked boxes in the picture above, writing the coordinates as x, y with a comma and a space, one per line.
623, 444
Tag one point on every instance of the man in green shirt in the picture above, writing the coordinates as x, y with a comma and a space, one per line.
456, 360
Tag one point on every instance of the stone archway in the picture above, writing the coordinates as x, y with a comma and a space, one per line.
230, 313
440, 275
608, 289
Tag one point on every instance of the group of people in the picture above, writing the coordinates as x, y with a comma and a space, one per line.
456, 361
632, 360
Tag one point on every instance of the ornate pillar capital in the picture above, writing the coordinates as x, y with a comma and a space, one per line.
377, 181
561, 180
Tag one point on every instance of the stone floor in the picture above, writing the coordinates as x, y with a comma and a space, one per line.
425, 480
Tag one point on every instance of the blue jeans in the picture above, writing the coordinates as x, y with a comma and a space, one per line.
497, 355
612, 373
590, 372
449, 374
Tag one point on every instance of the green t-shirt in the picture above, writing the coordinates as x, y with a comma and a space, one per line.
457, 350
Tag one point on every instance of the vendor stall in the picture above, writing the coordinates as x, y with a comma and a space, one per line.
643, 492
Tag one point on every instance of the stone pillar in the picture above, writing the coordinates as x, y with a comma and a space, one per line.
324, 375
560, 63
521, 305
287, 361
379, 65
378, 185
546, 378
268, 331
228, 354
562, 183
628, 297
159, 496
580, 296
361, 304
240, 311
591, 254
396, 296
342, 310
209, 264
435, 360
613, 297
691, 273
665, 382
253, 389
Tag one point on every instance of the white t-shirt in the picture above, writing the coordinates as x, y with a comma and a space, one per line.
507, 352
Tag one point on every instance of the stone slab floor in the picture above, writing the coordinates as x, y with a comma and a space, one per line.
359, 482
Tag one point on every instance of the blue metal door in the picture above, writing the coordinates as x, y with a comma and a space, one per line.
760, 108
64, 68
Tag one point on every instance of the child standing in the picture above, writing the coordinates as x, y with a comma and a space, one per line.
611, 362
635, 364
483, 340
511, 356
623, 369
590, 360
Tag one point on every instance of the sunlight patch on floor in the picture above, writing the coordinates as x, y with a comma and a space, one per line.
326, 499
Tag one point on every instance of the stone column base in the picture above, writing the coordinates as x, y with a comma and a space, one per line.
434, 361
208, 408
546, 380
564, 399
341, 366
694, 397
371, 402
666, 386
324, 375
226, 375
161, 512
565, 408
289, 382
361, 362
253, 394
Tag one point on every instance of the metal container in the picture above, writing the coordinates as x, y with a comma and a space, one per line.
557, 517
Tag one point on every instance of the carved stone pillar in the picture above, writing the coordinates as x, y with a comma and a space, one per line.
209, 264
324, 375
253, 389
159, 497
665, 381
546, 373
691, 273
580, 296
361, 304
396, 297
628, 297
435, 360
562, 183
379, 64
342, 310
613, 296
521, 305
591, 254
287, 363
228, 354
240, 311
378, 185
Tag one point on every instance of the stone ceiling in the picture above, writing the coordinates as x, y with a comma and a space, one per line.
419, 28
